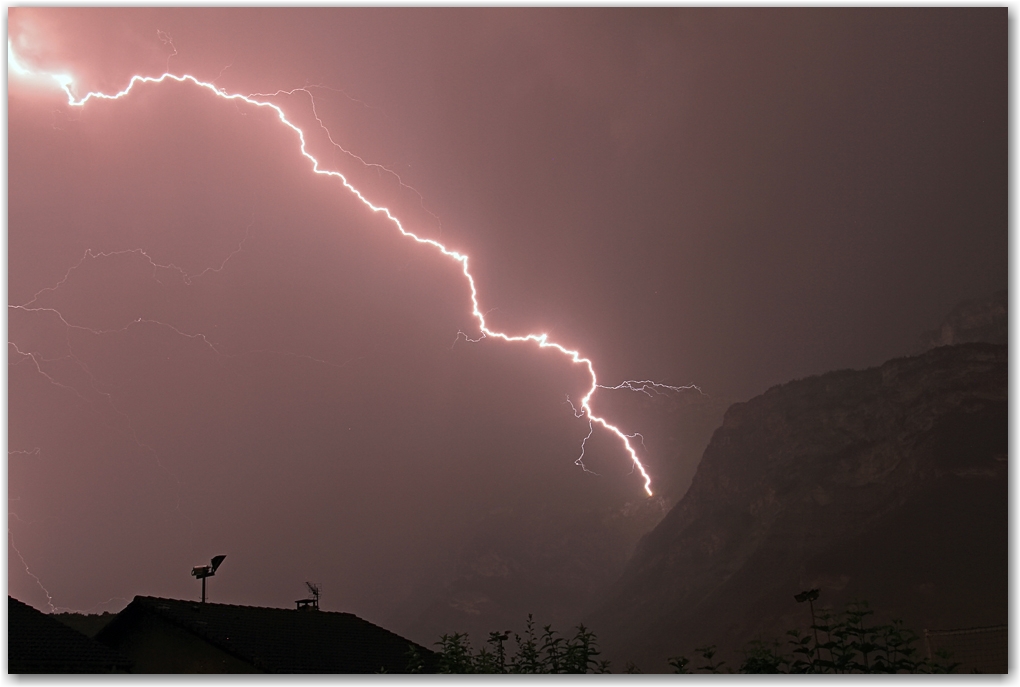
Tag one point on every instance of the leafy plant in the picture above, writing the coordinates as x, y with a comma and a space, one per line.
842, 642
548, 653
679, 664
762, 657
835, 643
707, 653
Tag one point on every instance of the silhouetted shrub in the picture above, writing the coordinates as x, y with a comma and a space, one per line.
548, 653
840, 643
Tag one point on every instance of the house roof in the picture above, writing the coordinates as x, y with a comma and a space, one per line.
281, 640
37, 643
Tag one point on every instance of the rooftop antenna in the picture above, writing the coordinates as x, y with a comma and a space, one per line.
311, 604
203, 571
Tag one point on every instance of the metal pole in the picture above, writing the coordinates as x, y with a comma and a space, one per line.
203, 590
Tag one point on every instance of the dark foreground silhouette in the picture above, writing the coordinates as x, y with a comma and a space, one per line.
843, 642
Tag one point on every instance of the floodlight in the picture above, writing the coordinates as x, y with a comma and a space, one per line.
200, 572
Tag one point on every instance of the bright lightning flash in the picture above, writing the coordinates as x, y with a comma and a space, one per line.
65, 83
14, 65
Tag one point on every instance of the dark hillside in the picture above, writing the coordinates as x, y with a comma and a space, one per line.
888, 484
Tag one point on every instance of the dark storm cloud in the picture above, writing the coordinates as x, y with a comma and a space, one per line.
724, 197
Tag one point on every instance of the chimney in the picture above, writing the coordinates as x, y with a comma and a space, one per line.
311, 604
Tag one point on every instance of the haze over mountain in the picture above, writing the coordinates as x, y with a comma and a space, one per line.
978, 319
550, 557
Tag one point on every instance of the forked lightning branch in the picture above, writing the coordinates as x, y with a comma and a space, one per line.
65, 82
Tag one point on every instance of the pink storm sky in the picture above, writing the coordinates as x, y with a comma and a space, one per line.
246, 360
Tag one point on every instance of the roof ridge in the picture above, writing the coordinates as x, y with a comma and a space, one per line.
284, 639
139, 597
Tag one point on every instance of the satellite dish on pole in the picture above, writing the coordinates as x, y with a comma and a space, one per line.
200, 572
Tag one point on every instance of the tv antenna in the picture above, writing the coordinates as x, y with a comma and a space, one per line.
201, 572
312, 603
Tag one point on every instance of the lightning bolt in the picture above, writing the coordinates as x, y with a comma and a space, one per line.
348, 153
49, 598
584, 409
39, 583
167, 39
649, 387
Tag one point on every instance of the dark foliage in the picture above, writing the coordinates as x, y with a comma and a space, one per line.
836, 643
546, 653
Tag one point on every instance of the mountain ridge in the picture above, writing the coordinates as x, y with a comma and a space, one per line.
866, 483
